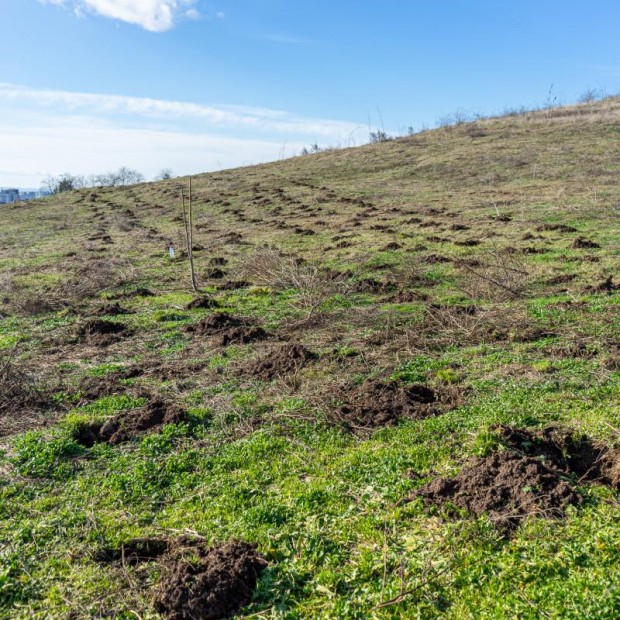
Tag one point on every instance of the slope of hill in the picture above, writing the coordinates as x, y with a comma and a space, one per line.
397, 393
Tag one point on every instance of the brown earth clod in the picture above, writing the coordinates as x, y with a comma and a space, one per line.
377, 403
285, 360
566, 451
507, 486
126, 426
200, 583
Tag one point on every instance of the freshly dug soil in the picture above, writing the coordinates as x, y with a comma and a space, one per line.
202, 302
241, 335
507, 486
567, 452
285, 360
214, 324
227, 329
233, 285
126, 426
214, 274
563, 228
101, 332
377, 403
605, 286
92, 388
114, 309
200, 583
580, 243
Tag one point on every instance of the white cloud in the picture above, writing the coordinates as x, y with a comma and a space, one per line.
153, 15
240, 117
51, 131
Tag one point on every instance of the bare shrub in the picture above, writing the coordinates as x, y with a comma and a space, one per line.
314, 284
469, 325
497, 275
23, 396
84, 282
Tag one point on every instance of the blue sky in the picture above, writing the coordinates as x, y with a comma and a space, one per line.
194, 85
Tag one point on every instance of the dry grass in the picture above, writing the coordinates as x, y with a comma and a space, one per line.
23, 396
496, 275
314, 285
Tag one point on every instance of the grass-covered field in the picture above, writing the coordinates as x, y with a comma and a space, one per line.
473, 263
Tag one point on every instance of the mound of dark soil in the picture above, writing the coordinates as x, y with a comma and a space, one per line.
567, 452
92, 388
563, 228
202, 302
114, 309
561, 279
580, 243
377, 403
214, 274
214, 324
201, 583
126, 426
606, 286
218, 261
227, 329
285, 360
233, 285
506, 486
241, 335
101, 332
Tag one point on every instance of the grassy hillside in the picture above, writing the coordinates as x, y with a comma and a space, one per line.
401, 383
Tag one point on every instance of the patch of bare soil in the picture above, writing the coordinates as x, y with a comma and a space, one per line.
285, 360
566, 451
227, 329
377, 403
561, 279
200, 583
128, 425
233, 285
214, 274
605, 286
581, 243
100, 332
507, 486
114, 309
562, 228
93, 388
202, 302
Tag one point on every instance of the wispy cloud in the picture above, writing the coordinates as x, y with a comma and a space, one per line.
51, 131
232, 116
152, 15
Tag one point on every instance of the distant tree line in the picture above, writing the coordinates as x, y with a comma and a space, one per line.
122, 177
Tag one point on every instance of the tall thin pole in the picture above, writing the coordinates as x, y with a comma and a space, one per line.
191, 240
187, 223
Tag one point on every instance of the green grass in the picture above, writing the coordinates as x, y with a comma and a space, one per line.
258, 460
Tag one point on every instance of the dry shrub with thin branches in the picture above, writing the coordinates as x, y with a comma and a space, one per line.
498, 275
84, 282
314, 284
445, 326
22, 396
